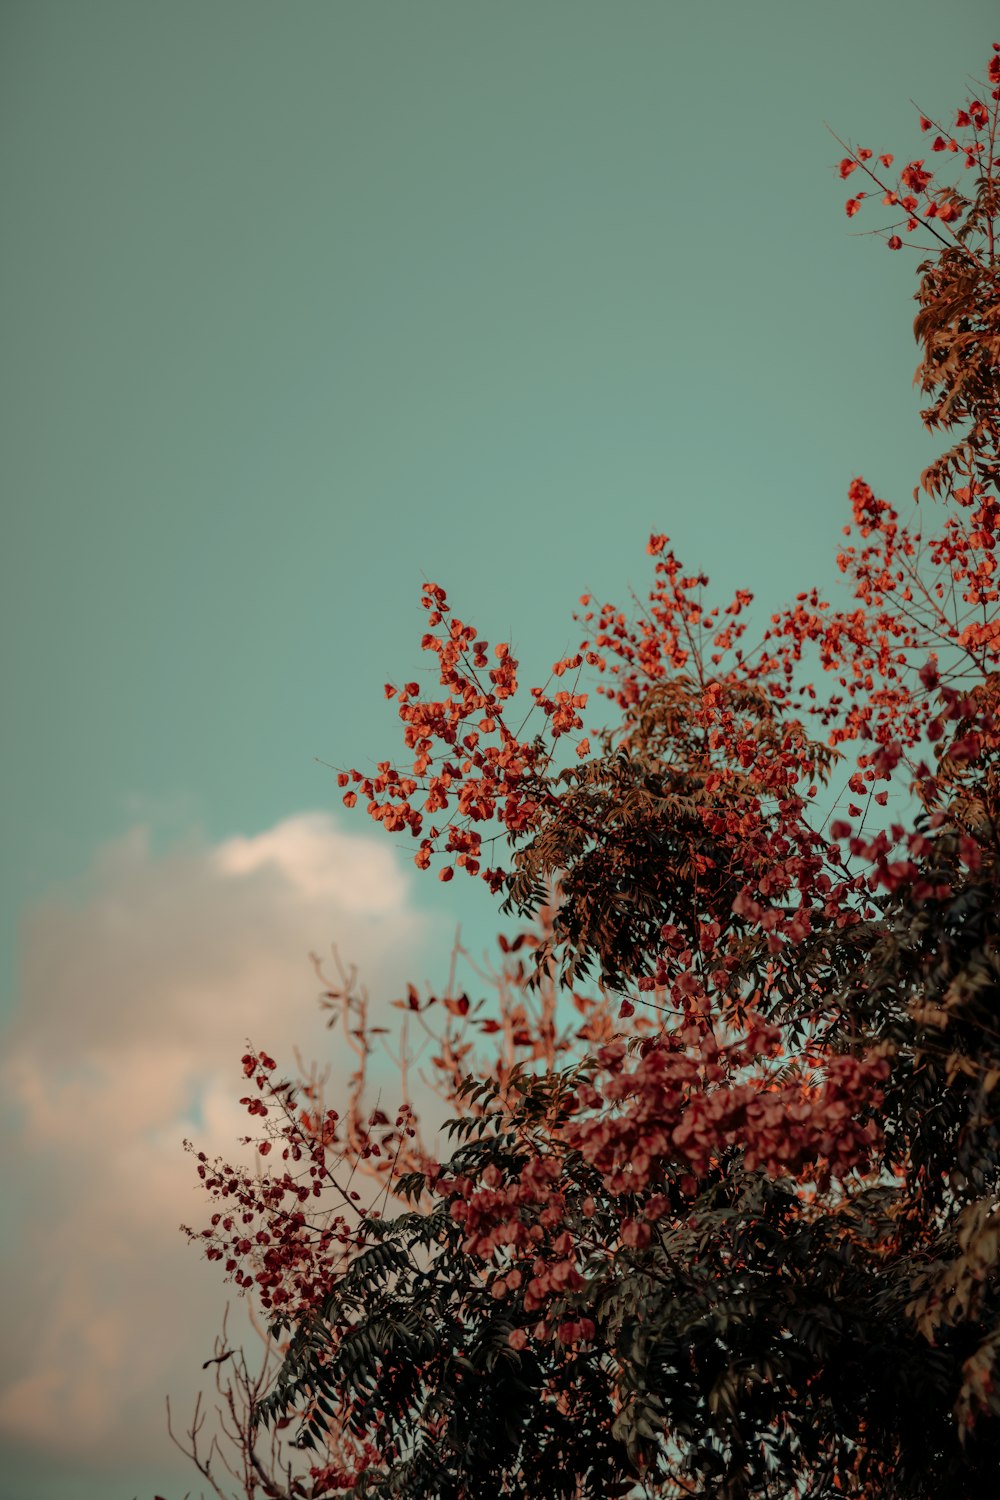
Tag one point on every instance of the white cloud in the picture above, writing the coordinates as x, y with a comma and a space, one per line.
320, 868
138, 990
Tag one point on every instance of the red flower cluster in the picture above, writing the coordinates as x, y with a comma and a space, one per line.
973, 137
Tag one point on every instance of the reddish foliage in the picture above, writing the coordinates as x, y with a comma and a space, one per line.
731, 1033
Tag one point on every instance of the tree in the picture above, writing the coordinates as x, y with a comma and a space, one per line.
718, 1215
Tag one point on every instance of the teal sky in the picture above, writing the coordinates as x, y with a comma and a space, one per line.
303, 303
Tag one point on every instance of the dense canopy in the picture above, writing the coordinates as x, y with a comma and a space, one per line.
717, 1209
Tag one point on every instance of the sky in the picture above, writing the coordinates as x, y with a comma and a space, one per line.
300, 306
